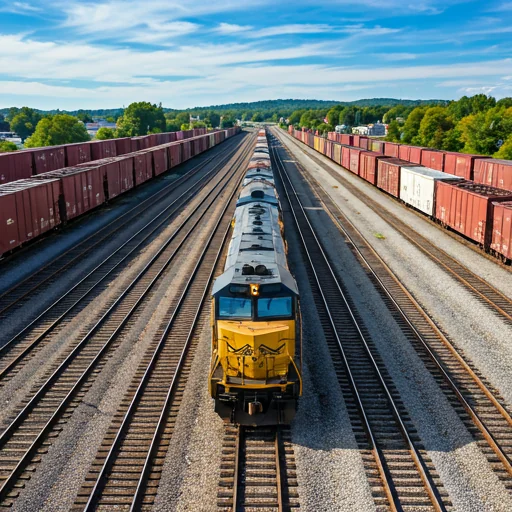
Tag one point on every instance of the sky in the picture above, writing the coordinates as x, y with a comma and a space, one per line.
72, 54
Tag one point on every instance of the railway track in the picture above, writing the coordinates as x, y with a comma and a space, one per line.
127, 468
400, 472
257, 470
23, 291
53, 400
487, 294
39, 332
480, 406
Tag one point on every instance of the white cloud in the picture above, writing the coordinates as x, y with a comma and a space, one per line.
229, 28
390, 57
303, 28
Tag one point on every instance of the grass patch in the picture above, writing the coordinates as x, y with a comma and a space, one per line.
380, 236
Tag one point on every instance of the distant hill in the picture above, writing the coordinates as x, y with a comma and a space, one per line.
278, 105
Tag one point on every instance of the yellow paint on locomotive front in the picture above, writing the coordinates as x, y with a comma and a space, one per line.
261, 351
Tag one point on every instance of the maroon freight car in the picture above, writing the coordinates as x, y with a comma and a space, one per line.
15, 166
81, 187
432, 159
467, 208
103, 149
354, 160
368, 165
388, 175
118, 175
494, 172
160, 161
142, 166
28, 208
77, 153
378, 146
48, 159
123, 145
501, 239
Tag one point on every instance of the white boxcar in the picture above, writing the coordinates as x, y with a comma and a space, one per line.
417, 186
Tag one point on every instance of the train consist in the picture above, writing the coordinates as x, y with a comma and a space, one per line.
255, 372
30, 207
466, 193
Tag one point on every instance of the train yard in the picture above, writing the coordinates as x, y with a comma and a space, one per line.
405, 359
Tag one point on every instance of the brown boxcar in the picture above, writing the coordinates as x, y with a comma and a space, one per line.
345, 157
346, 139
174, 155
103, 149
377, 146
159, 160
368, 165
118, 175
142, 166
493, 172
410, 153
467, 208
460, 164
501, 239
186, 150
28, 208
354, 160
81, 187
15, 166
77, 153
433, 159
48, 159
388, 175
391, 149
364, 142
123, 145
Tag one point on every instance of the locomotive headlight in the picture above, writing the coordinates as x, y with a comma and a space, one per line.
255, 290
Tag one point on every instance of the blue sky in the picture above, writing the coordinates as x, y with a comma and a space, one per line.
72, 54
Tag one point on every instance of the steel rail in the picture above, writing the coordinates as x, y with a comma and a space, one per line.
166, 214
418, 460
475, 417
123, 428
9, 482
129, 215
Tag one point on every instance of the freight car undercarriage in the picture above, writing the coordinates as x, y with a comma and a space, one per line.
258, 407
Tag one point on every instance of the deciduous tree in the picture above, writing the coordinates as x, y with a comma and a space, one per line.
56, 130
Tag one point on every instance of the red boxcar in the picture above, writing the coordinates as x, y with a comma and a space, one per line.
376, 145
345, 157
346, 139
159, 161
364, 142
186, 150
142, 166
48, 159
388, 175
15, 166
467, 208
28, 208
123, 145
410, 153
391, 149
118, 175
432, 159
103, 149
368, 165
493, 172
501, 239
174, 155
460, 164
354, 160
77, 153
81, 187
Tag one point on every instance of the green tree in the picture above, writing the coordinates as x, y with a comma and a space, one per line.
185, 127
24, 121
227, 121
140, 119
110, 119
393, 131
84, 116
324, 128
6, 146
56, 130
294, 118
105, 133
506, 150
257, 117
212, 119
433, 127
412, 124
198, 124
171, 125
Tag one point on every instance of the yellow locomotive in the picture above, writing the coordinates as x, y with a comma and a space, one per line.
255, 373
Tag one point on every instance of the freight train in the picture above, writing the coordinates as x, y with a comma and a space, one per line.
33, 206
255, 372
438, 184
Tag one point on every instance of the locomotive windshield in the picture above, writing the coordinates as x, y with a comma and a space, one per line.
275, 307
234, 307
